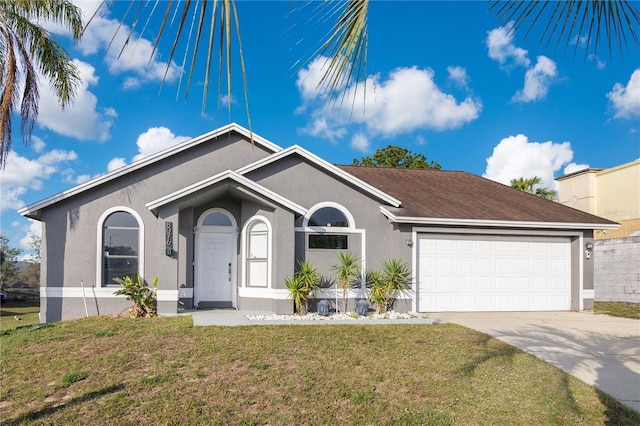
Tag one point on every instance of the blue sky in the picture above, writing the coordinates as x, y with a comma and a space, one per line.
443, 79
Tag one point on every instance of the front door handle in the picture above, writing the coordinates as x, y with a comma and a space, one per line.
229, 272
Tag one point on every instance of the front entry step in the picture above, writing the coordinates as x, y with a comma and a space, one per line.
214, 305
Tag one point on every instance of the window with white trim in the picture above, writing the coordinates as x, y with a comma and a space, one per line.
121, 244
325, 224
328, 216
257, 251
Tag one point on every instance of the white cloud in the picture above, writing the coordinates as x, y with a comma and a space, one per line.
573, 167
69, 176
458, 75
408, 100
37, 144
516, 157
626, 99
156, 139
321, 128
80, 119
501, 48
308, 81
360, 142
537, 81
32, 227
22, 174
103, 31
116, 163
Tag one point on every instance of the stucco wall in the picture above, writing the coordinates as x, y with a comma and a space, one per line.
617, 270
618, 192
70, 237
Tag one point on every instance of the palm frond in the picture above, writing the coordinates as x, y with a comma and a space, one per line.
25, 46
573, 21
345, 46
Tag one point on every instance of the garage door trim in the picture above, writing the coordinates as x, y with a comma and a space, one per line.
576, 278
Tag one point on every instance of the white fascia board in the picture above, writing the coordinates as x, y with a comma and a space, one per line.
33, 208
296, 149
226, 175
491, 223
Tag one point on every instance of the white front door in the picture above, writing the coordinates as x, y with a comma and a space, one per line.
215, 266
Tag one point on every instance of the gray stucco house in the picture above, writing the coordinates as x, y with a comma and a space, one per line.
221, 221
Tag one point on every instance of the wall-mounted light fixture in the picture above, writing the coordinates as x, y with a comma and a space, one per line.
409, 242
588, 250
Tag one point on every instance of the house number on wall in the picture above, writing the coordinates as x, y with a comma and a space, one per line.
168, 238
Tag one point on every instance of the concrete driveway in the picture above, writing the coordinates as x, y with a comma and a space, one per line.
601, 351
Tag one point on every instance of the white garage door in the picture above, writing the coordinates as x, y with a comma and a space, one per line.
460, 273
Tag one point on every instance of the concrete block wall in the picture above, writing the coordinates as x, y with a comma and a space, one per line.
617, 270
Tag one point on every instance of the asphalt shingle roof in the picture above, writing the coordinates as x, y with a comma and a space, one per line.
461, 195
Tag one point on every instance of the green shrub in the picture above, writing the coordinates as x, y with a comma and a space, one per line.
143, 297
384, 285
303, 285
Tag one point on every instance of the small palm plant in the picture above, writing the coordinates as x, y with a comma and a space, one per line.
347, 270
384, 285
303, 285
143, 297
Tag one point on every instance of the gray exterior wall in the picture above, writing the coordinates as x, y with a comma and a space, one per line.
617, 270
70, 236
289, 175
71, 233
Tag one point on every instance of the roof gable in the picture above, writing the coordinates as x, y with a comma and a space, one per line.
335, 171
228, 175
32, 209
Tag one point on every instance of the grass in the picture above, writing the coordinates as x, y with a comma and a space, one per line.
165, 371
25, 310
618, 309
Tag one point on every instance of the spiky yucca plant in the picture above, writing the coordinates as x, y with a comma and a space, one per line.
347, 270
303, 285
384, 285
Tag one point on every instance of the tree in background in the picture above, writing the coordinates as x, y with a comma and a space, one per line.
532, 186
8, 260
395, 157
30, 275
28, 51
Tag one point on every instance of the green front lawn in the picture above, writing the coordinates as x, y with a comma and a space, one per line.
16, 313
618, 309
165, 371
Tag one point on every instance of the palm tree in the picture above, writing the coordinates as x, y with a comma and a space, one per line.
27, 49
347, 270
346, 44
532, 186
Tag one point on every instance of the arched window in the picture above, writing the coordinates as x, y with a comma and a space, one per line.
257, 251
326, 225
328, 216
216, 219
120, 246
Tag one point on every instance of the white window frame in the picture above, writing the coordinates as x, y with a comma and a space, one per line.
329, 229
245, 252
100, 243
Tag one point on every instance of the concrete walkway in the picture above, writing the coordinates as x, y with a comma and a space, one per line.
600, 350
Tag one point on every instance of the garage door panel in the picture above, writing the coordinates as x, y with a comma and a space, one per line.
493, 273
484, 283
445, 284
